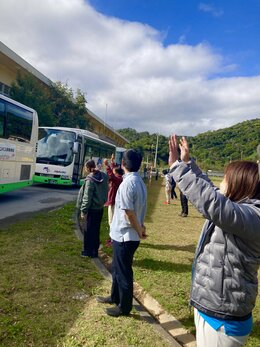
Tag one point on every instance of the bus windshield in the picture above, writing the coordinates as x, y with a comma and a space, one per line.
55, 147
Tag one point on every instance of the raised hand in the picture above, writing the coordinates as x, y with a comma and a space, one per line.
173, 149
185, 152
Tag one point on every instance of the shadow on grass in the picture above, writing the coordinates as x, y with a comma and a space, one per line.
187, 248
156, 265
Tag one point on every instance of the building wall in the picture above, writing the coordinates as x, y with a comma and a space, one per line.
105, 133
6, 75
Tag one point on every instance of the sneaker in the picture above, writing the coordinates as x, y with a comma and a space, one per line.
84, 254
184, 215
104, 299
166, 203
115, 312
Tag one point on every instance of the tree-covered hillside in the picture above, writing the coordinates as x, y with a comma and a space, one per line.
217, 148
212, 150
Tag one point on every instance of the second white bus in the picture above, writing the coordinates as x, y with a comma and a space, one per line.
62, 152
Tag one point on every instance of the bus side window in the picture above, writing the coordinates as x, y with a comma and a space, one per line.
2, 119
19, 123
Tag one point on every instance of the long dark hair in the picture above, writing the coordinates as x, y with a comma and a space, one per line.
242, 179
91, 165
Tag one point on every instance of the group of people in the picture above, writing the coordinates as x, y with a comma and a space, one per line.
225, 267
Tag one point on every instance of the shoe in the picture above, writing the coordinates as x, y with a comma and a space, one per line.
115, 312
104, 299
166, 203
85, 254
184, 215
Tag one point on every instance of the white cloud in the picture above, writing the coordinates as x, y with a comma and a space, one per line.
125, 66
210, 9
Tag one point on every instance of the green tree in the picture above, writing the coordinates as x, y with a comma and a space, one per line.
29, 92
55, 105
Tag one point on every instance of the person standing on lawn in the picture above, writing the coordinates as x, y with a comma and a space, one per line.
168, 186
226, 263
91, 207
184, 205
126, 230
115, 174
173, 186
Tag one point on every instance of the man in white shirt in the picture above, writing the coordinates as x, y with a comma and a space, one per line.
126, 230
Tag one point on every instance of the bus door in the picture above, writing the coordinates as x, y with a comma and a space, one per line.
78, 163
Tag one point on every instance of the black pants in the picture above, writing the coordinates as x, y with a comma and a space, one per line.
184, 204
173, 193
122, 274
91, 232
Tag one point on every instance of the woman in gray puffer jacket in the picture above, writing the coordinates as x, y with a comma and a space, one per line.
224, 275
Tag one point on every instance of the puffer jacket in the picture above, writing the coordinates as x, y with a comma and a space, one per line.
227, 258
95, 191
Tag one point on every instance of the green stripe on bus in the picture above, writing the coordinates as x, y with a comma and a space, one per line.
51, 180
8, 187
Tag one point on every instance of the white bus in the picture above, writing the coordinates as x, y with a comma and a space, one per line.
18, 140
62, 152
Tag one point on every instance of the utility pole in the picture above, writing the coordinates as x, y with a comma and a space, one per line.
156, 151
105, 120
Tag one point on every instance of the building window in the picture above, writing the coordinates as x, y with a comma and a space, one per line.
4, 89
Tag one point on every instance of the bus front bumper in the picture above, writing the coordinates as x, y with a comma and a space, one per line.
52, 180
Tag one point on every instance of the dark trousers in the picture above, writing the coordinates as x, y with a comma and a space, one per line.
184, 204
122, 274
91, 232
173, 193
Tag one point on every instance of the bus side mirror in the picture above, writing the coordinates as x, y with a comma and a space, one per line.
75, 147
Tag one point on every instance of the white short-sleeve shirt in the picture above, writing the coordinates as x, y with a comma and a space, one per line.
131, 195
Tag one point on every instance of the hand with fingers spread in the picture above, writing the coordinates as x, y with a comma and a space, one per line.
185, 152
173, 149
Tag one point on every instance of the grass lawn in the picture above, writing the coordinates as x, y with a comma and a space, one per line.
47, 291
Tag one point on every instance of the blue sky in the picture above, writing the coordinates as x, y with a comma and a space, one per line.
231, 27
162, 66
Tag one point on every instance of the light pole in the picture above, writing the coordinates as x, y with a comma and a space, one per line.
156, 151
